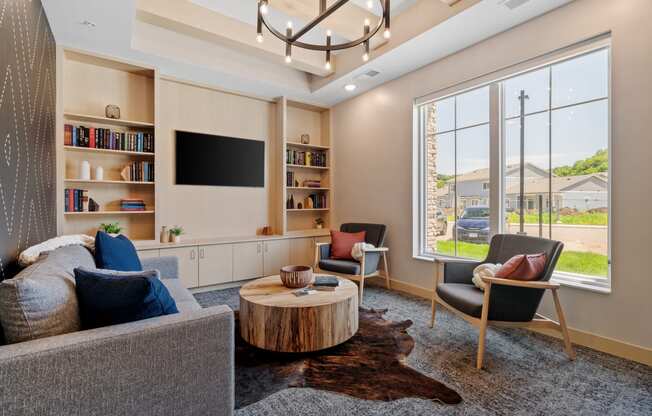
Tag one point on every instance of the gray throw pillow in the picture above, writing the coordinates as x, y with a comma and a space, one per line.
41, 301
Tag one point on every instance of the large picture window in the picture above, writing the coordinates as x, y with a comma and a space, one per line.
550, 179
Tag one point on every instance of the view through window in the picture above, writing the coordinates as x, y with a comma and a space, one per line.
555, 168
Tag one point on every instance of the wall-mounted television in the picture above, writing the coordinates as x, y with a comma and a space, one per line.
205, 159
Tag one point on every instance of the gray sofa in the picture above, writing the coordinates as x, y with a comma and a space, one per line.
181, 364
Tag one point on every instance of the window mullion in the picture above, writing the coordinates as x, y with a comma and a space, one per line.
495, 159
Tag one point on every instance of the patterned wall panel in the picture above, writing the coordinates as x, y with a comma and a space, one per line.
27, 130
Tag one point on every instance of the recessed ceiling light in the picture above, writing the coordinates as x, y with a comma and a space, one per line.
350, 87
87, 23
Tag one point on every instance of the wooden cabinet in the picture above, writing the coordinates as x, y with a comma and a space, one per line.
276, 254
146, 254
188, 264
247, 260
302, 251
215, 264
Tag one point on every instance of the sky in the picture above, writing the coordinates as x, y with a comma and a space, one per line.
578, 131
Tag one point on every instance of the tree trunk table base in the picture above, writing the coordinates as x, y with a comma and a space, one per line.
273, 318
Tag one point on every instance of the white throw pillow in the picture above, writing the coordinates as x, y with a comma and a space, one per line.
358, 248
484, 270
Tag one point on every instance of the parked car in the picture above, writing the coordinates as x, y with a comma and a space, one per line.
441, 222
473, 225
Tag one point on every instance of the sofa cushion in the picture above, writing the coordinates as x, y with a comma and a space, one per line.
185, 301
109, 298
342, 243
463, 297
523, 267
115, 253
40, 301
340, 266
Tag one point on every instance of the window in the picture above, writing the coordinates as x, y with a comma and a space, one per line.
553, 124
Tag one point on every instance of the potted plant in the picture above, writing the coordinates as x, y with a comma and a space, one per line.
319, 223
175, 234
112, 228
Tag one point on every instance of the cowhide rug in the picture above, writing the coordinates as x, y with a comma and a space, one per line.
369, 366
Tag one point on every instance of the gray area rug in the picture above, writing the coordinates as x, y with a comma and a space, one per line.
525, 373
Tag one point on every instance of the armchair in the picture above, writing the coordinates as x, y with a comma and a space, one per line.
507, 303
351, 269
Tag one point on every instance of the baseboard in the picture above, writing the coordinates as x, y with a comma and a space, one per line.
597, 342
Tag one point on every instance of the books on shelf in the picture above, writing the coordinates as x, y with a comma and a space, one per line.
75, 200
312, 183
140, 171
306, 158
101, 138
312, 201
129, 204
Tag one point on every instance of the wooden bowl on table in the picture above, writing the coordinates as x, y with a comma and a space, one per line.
296, 276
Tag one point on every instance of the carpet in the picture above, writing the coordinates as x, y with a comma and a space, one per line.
525, 373
368, 366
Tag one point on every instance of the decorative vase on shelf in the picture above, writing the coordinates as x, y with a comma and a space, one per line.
99, 173
319, 226
165, 235
305, 139
176, 238
85, 170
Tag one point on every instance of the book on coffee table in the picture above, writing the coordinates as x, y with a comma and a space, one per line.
326, 283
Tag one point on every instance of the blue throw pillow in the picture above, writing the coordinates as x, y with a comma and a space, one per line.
116, 253
109, 298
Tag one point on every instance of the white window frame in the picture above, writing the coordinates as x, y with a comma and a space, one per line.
497, 156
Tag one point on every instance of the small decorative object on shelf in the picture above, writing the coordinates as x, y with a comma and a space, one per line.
267, 230
165, 235
99, 173
175, 234
112, 228
308, 203
85, 170
299, 205
112, 111
319, 223
296, 276
93, 206
305, 139
290, 202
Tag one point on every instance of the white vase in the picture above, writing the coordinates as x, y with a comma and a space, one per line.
176, 238
99, 173
85, 170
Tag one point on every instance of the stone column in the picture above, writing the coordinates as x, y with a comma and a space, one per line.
431, 179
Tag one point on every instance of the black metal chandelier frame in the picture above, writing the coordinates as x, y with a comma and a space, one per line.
293, 39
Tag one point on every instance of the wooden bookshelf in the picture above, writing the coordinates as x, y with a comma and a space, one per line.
293, 120
89, 82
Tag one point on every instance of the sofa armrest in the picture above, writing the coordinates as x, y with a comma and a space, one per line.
168, 266
173, 364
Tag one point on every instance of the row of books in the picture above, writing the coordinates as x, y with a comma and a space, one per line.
299, 157
291, 181
141, 171
132, 205
75, 200
310, 202
101, 138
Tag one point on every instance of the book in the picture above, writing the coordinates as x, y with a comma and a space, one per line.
329, 281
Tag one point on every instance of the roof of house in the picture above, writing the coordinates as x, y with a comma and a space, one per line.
483, 174
557, 183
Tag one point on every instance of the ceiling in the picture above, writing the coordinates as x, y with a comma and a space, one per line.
214, 41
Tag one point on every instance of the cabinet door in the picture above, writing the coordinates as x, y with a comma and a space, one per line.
276, 255
146, 254
247, 260
302, 251
215, 264
188, 264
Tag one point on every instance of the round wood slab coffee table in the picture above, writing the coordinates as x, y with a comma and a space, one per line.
273, 318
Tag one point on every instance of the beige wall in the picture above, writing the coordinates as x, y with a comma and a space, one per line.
210, 211
373, 147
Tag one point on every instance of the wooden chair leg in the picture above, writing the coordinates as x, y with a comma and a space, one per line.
434, 311
361, 288
483, 326
562, 324
387, 282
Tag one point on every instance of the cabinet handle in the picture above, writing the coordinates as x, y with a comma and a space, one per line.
201, 253
192, 254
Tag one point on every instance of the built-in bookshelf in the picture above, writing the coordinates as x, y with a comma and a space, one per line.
305, 168
125, 148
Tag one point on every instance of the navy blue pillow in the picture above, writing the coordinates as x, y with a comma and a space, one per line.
110, 298
116, 253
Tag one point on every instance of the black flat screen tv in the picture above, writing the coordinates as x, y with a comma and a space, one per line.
204, 159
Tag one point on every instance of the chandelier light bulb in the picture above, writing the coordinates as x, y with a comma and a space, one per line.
259, 38
370, 4
288, 59
365, 57
327, 65
263, 7
387, 34
350, 87
367, 22
329, 33
289, 24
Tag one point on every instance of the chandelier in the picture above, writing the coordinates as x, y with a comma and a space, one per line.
292, 39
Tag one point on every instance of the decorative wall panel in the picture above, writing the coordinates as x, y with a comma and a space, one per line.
27, 130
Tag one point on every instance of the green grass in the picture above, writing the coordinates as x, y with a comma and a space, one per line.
585, 218
592, 264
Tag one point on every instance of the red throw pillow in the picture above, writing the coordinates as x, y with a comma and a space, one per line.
523, 267
342, 243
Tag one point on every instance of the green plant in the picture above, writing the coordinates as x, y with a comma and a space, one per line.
176, 230
111, 228
319, 221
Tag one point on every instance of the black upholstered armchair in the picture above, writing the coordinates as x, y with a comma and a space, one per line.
351, 269
511, 303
